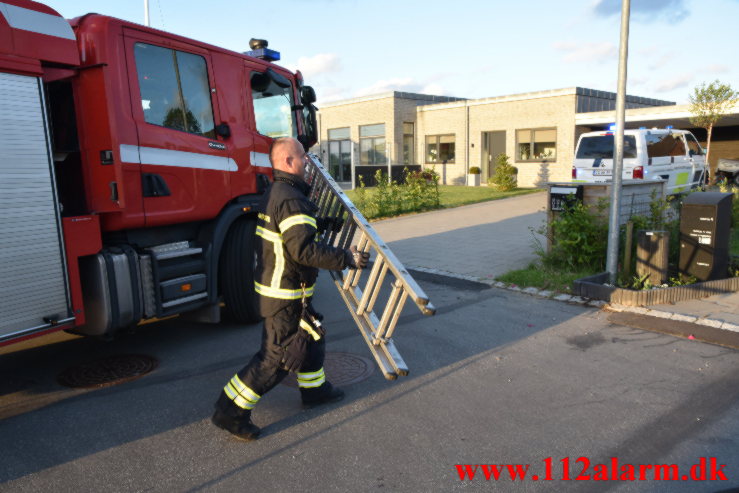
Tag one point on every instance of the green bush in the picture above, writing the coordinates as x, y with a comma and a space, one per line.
504, 178
725, 187
578, 240
419, 192
475, 170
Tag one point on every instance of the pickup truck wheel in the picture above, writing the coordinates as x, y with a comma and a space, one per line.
236, 273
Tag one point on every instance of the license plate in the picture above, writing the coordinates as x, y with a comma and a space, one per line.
601, 172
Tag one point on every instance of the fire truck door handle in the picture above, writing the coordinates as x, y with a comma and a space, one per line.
113, 191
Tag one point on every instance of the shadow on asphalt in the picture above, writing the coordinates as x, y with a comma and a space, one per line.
44, 424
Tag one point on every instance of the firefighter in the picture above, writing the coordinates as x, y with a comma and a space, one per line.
288, 259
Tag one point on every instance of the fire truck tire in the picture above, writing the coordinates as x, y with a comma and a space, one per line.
236, 273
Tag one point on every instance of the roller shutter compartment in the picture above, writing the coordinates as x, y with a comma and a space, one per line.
33, 283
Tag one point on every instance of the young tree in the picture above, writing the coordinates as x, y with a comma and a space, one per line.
708, 104
505, 178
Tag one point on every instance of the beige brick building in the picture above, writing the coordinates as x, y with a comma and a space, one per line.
393, 130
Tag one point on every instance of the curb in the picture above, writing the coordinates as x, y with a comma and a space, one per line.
578, 300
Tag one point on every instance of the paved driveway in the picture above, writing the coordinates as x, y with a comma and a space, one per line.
481, 240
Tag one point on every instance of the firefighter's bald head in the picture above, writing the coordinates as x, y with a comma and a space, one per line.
288, 155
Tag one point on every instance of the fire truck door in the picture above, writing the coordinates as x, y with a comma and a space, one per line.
185, 166
33, 287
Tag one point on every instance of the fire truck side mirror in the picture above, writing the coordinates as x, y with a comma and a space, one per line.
310, 133
223, 130
307, 95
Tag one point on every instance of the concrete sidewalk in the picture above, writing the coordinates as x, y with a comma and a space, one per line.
482, 241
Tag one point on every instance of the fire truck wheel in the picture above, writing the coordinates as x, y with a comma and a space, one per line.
236, 273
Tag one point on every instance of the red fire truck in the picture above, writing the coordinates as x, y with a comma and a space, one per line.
131, 161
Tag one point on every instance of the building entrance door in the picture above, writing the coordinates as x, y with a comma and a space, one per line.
340, 159
493, 143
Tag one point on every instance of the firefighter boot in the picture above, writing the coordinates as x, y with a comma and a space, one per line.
234, 420
324, 394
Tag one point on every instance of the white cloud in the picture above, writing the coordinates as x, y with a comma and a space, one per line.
661, 62
329, 94
396, 84
586, 52
716, 69
676, 82
322, 63
645, 10
638, 81
434, 89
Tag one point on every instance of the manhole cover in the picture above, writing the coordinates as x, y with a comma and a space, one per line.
341, 369
108, 371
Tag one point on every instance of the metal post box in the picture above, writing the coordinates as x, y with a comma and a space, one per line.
705, 225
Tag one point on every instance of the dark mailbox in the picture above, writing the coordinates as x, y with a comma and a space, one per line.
705, 223
564, 196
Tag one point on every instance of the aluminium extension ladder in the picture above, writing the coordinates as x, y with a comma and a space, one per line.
361, 297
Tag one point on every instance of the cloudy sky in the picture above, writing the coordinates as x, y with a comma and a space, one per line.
464, 48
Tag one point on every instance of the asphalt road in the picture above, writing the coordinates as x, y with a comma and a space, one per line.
497, 377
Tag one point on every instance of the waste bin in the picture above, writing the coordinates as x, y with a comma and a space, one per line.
652, 251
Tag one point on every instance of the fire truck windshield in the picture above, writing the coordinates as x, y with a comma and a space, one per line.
272, 95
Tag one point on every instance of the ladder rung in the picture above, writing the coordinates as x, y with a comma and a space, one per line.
333, 203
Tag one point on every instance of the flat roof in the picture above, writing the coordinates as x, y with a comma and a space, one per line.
677, 115
435, 102
431, 98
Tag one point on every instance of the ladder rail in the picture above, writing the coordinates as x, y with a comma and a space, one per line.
333, 204
415, 291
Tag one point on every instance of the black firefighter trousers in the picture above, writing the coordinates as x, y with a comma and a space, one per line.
265, 370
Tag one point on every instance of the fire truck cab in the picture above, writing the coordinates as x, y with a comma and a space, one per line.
131, 162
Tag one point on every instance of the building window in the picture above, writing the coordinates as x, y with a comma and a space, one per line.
372, 144
340, 154
440, 149
408, 133
174, 89
338, 133
536, 144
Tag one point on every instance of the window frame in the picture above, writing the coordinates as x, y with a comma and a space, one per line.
211, 133
252, 101
330, 138
372, 150
438, 137
411, 160
532, 142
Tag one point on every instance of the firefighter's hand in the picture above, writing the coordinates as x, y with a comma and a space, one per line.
357, 259
296, 351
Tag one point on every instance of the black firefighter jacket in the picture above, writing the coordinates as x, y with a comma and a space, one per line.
288, 254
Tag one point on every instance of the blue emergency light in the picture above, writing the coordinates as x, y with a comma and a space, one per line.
264, 54
259, 50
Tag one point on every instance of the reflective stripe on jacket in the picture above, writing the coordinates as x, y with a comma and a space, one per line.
288, 254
